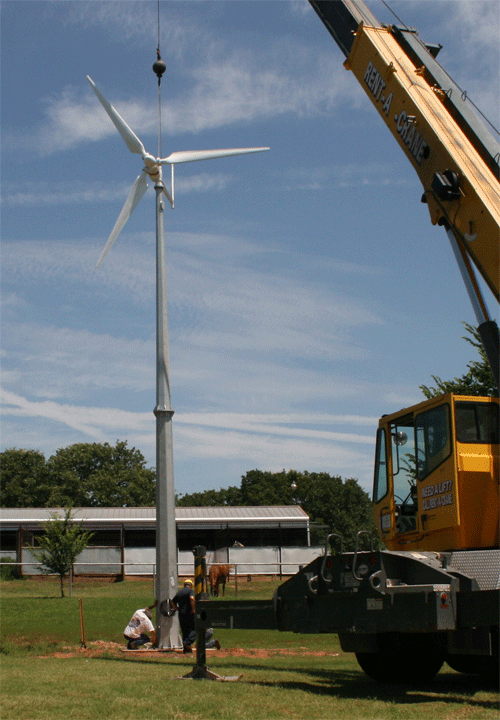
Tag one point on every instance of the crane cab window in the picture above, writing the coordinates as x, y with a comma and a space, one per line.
403, 473
403, 457
477, 422
381, 481
432, 429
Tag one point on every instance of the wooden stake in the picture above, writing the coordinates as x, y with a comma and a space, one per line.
82, 627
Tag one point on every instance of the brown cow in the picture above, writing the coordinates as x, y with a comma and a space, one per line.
218, 575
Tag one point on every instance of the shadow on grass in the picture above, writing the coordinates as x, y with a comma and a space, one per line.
346, 684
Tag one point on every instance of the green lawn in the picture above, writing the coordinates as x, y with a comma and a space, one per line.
46, 674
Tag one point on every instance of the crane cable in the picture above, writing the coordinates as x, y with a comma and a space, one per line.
159, 68
159, 116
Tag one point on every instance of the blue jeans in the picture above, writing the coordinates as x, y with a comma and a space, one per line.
189, 638
134, 643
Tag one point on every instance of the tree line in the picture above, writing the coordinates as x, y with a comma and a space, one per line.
100, 475
332, 503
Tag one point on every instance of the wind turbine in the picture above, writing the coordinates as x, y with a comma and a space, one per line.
152, 166
166, 542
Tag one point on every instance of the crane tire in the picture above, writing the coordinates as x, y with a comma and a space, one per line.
403, 658
487, 666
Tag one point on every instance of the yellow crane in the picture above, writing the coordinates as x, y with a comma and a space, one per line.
433, 595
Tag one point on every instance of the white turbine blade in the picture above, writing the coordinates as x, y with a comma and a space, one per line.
185, 156
138, 189
131, 140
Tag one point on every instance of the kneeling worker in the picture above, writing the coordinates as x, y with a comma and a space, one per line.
139, 625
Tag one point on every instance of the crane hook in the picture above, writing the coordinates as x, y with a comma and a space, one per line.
159, 67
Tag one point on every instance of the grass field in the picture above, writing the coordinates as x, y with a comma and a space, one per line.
46, 674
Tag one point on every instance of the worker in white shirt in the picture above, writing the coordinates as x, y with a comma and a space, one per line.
136, 632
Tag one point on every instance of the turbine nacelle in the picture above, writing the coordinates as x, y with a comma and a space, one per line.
152, 166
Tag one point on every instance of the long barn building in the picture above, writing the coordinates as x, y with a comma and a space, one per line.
256, 540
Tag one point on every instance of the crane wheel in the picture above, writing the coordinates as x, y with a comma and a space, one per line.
487, 666
403, 658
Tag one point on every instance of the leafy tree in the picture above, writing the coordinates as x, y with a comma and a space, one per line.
80, 475
479, 380
100, 475
210, 498
61, 542
332, 504
266, 488
22, 478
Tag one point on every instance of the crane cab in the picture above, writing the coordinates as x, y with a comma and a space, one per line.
436, 484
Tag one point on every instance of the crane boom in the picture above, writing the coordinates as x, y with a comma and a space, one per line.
454, 155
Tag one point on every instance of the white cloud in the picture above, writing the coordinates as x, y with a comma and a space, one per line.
238, 334
476, 18
267, 451
78, 418
47, 194
135, 22
64, 362
223, 87
71, 119
57, 194
91, 419
224, 94
345, 175
286, 425
272, 440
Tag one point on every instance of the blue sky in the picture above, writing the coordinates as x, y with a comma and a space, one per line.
308, 291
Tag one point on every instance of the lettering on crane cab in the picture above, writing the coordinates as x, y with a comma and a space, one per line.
438, 495
405, 125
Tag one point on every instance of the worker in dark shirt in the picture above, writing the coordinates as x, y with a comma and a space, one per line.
184, 602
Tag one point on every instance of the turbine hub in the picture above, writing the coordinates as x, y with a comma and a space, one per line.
149, 160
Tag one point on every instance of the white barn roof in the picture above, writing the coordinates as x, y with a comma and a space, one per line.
286, 516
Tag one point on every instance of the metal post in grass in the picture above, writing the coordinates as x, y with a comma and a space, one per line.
200, 594
200, 670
